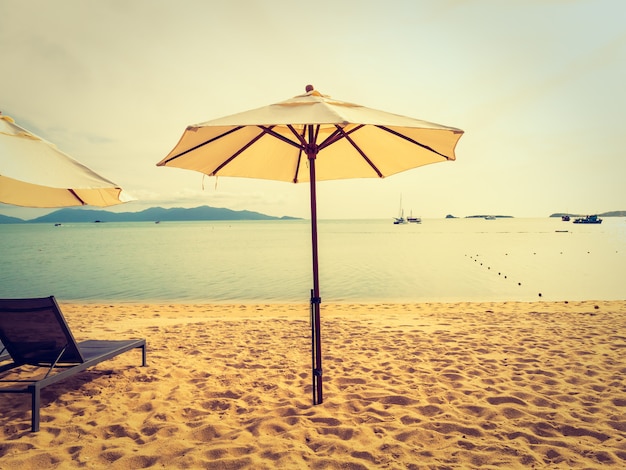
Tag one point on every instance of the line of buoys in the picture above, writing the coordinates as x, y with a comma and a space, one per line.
476, 260
483, 262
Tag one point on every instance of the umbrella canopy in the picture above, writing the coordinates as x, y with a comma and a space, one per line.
34, 173
352, 142
308, 138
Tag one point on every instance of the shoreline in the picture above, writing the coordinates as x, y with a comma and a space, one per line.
406, 385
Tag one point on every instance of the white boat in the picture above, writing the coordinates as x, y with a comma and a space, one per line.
400, 220
413, 220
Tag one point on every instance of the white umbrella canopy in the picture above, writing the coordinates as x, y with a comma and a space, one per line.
352, 142
308, 138
34, 173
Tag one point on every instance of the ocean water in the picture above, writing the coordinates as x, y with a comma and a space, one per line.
360, 261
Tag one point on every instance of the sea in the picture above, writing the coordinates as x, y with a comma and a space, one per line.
360, 261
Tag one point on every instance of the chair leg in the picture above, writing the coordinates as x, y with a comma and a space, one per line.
36, 402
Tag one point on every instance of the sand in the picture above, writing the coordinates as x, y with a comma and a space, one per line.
432, 385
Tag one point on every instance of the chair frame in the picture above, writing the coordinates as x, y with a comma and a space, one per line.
4, 355
71, 359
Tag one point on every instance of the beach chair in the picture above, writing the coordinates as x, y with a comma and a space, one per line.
35, 333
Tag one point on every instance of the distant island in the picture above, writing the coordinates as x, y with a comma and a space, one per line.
160, 214
154, 214
604, 214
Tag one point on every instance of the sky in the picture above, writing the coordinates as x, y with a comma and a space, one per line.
537, 86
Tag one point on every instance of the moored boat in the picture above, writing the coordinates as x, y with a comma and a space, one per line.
413, 220
400, 220
590, 219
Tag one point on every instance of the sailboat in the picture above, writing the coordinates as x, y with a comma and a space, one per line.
413, 220
400, 219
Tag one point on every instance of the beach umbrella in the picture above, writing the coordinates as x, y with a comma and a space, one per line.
309, 138
34, 173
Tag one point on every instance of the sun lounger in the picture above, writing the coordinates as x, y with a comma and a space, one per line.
35, 333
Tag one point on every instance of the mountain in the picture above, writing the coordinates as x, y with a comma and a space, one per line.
154, 214
5, 219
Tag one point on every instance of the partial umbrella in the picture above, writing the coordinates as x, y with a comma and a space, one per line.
35, 173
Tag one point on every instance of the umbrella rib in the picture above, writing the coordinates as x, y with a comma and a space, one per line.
397, 134
202, 144
358, 149
77, 197
300, 146
299, 137
264, 130
301, 149
239, 152
268, 130
338, 134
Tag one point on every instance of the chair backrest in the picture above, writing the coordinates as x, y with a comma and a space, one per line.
35, 332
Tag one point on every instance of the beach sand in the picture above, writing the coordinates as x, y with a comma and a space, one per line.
430, 385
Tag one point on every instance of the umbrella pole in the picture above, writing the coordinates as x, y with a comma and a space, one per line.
315, 294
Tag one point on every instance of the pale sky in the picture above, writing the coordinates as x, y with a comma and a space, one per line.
538, 86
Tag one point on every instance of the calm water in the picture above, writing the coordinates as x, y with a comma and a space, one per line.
360, 261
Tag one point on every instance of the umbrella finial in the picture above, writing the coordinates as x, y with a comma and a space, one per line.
309, 88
